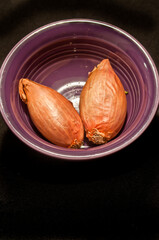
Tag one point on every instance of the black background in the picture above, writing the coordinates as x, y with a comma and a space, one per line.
110, 198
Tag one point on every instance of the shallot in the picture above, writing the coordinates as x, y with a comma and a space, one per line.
103, 104
52, 114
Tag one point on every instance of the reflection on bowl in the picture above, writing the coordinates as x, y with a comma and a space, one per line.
60, 55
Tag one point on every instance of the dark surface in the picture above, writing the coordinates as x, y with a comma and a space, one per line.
108, 198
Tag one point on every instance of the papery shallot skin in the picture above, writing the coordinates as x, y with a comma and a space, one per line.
103, 104
52, 114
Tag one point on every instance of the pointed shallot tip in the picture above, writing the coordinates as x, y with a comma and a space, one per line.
105, 63
22, 90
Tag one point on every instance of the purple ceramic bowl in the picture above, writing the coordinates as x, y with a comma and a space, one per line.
60, 55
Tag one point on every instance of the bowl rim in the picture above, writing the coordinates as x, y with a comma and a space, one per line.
86, 156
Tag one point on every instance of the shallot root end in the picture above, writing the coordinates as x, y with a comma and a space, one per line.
96, 137
76, 144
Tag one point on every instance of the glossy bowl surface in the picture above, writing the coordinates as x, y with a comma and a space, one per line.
60, 55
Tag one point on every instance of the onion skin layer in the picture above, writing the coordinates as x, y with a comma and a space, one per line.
103, 104
52, 114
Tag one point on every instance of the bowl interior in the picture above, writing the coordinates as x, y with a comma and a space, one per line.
60, 55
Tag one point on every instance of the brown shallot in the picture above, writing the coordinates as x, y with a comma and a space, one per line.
103, 104
52, 114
